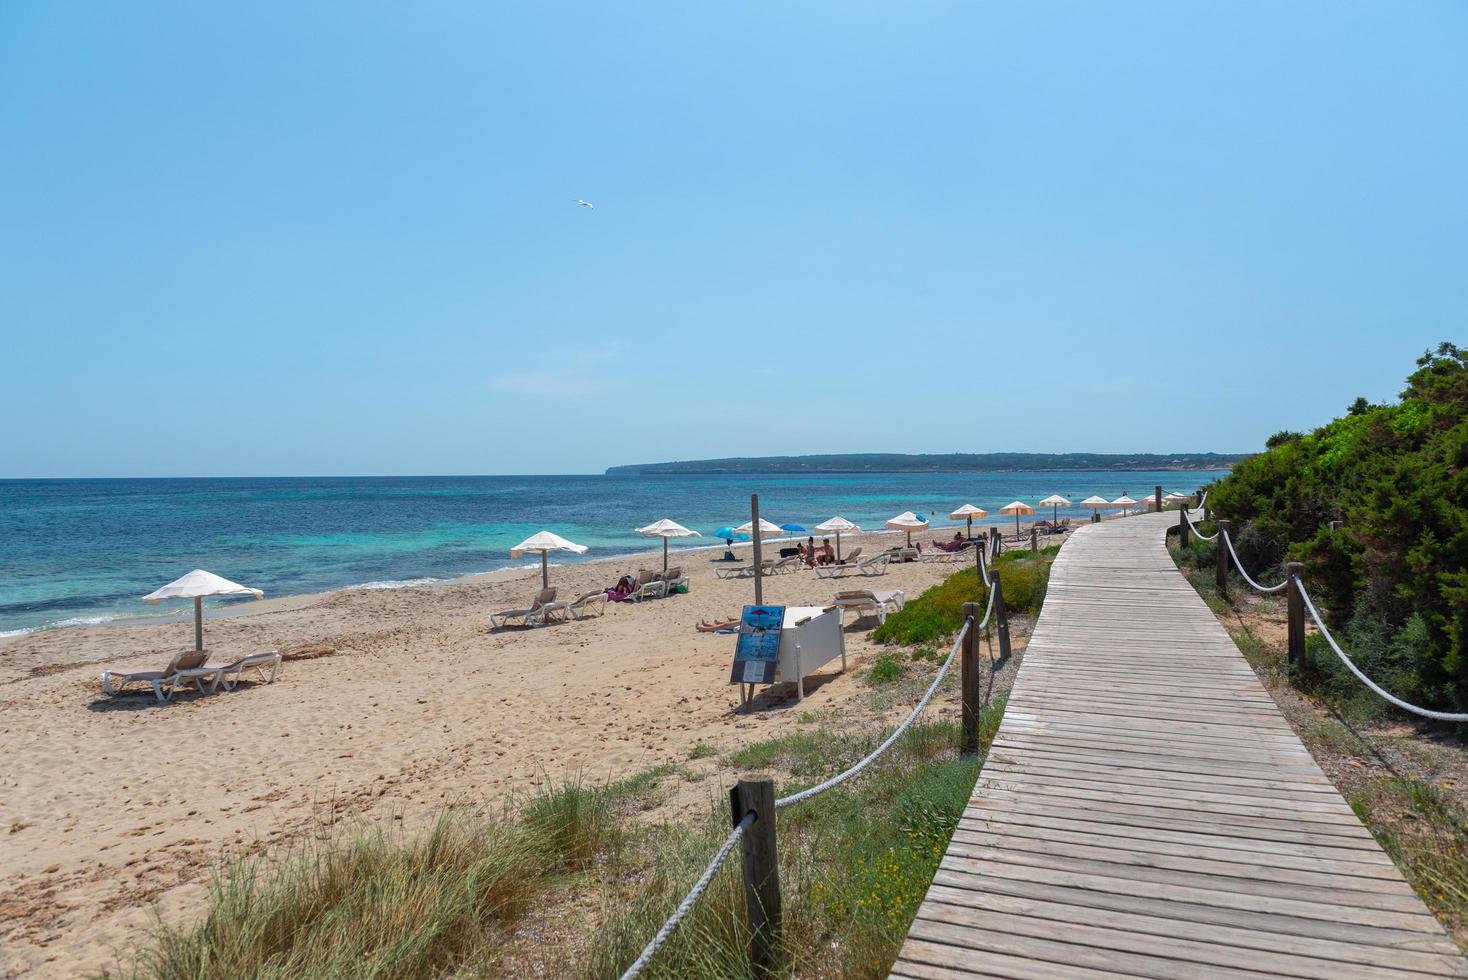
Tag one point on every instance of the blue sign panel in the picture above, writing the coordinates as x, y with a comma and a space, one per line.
757, 652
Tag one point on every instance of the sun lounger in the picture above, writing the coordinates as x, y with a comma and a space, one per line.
674, 578
649, 590
649, 586
938, 554
863, 601
789, 563
588, 605
113, 681
746, 571
532, 616
875, 565
228, 674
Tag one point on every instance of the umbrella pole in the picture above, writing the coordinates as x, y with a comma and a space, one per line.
665, 557
545, 569
838, 546
198, 623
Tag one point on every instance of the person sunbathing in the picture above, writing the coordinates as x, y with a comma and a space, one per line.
828, 556
714, 626
625, 586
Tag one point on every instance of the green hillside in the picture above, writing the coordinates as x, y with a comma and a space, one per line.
936, 463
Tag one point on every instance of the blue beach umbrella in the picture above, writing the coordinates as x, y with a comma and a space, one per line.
729, 534
793, 528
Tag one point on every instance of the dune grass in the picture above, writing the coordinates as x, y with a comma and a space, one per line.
378, 903
447, 901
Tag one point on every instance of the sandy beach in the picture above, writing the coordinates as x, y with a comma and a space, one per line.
403, 700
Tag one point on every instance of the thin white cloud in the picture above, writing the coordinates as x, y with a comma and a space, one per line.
574, 379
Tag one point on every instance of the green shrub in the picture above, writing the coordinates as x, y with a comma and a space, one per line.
1397, 476
938, 612
887, 669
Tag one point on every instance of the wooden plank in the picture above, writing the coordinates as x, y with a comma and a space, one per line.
1235, 940
1203, 951
1257, 920
1146, 810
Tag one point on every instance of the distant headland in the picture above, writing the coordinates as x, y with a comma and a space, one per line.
937, 463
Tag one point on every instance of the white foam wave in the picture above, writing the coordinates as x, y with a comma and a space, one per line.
402, 583
59, 624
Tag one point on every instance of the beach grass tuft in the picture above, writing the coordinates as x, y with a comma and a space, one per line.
373, 903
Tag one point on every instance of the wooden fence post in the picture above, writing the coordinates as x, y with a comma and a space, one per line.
1157, 499
1183, 531
1295, 625
759, 592
1220, 559
1034, 540
761, 871
969, 679
1001, 618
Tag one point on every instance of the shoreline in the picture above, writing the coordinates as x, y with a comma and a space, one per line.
270, 602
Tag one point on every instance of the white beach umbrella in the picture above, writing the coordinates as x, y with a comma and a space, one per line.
1094, 503
543, 543
1123, 502
1055, 501
766, 529
970, 512
909, 522
1175, 498
1016, 507
666, 529
838, 525
196, 585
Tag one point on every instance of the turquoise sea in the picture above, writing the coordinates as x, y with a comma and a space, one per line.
83, 551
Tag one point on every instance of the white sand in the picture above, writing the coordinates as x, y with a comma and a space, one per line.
110, 804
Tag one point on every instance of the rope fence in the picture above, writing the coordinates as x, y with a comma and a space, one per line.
837, 780
1295, 629
1240, 566
684, 907
1201, 536
1376, 688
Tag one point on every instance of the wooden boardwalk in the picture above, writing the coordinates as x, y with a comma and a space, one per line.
1146, 810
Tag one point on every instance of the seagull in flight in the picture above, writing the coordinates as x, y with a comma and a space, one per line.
584, 204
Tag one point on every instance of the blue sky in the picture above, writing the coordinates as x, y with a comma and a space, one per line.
294, 238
